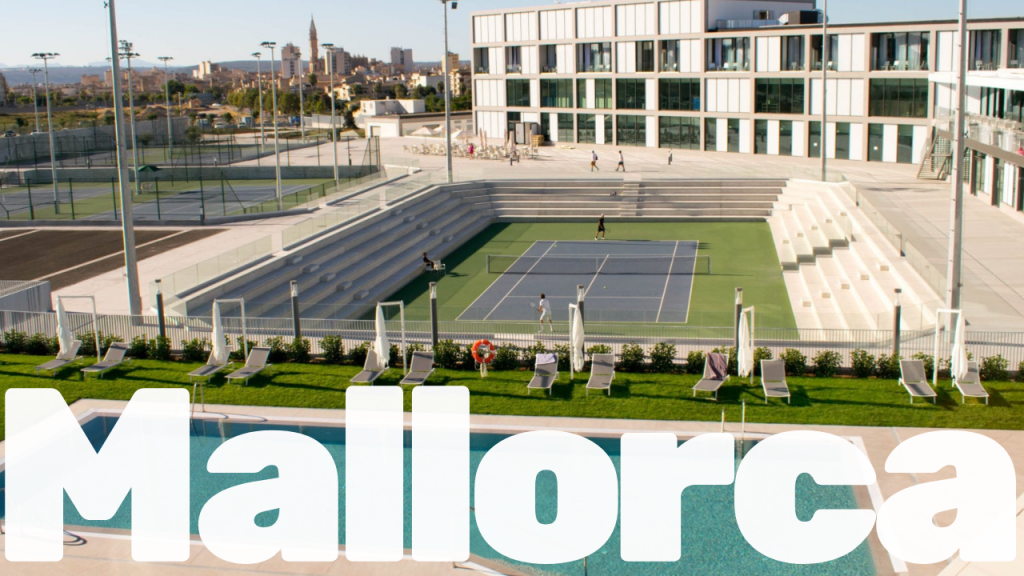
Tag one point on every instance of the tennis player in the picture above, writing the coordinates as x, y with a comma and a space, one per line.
600, 228
544, 307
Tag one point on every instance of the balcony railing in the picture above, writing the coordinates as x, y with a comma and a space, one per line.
513, 69
549, 69
596, 68
482, 70
729, 67
1006, 135
669, 66
903, 66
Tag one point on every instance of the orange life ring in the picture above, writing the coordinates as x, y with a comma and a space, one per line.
483, 351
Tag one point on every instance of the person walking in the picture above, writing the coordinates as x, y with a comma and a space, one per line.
622, 162
600, 228
471, 150
670, 157
545, 312
593, 161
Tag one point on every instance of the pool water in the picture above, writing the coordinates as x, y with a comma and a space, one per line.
712, 543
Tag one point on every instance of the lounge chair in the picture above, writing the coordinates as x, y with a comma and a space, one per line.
716, 372
971, 385
370, 370
602, 372
914, 380
421, 369
61, 360
773, 379
544, 373
208, 370
112, 359
254, 364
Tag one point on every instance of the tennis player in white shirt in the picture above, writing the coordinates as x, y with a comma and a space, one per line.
545, 312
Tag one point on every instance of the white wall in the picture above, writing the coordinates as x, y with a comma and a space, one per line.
652, 131
489, 93
521, 27
920, 144
566, 55
727, 95
496, 60
745, 132
845, 97
851, 53
635, 20
680, 17
690, 56
890, 142
652, 93
722, 135
598, 126
773, 137
799, 142
493, 123
944, 50
625, 57
856, 141
591, 94
769, 54
535, 92
595, 22
556, 25
530, 59
488, 29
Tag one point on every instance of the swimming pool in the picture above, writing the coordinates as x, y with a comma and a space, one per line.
712, 543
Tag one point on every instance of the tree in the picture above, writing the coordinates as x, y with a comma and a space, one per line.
288, 103
227, 117
312, 80
176, 87
20, 122
357, 89
152, 116
401, 92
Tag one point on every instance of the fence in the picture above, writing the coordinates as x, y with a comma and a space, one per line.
1009, 345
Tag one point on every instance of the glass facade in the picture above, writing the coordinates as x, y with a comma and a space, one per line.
779, 96
905, 144
603, 93
792, 53
645, 56
816, 51
481, 61
876, 142
785, 138
517, 93
1016, 49
581, 93
814, 140
842, 140
630, 94
985, 49
513, 59
760, 136
898, 97
728, 55
900, 51
609, 129
679, 94
670, 56
710, 134
594, 57
548, 59
631, 130
556, 93
586, 128
680, 133
565, 128
733, 133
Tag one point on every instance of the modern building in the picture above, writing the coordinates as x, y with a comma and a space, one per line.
452, 61
745, 77
4, 89
401, 59
341, 61
291, 61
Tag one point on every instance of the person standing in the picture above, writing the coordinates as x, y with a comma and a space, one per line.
544, 307
670, 157
600, 228
427, 262
593, 161
471, 150
622, 162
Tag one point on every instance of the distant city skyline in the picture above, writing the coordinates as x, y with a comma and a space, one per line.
193, 31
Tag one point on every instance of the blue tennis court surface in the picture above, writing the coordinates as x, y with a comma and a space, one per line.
627, 281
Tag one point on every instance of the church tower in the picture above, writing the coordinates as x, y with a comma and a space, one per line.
314, 48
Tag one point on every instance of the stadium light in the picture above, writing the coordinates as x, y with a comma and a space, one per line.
167, 100
447, 94
259, 81
302, 103
334, 133
35, 98
127, 54
277, 146
46, 57
954, 275
824, 91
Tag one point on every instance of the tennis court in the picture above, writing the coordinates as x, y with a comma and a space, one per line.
625, 281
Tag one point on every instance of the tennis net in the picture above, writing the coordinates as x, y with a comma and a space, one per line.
584, 265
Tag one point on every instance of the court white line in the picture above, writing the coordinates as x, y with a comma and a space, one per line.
475, 300
596, 274
521, 278
667, 280
18, 235
84, 264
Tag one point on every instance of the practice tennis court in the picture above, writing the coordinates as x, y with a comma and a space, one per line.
625, 281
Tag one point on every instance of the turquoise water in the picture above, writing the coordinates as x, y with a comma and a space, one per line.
712, 544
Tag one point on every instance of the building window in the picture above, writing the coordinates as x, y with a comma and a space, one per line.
679, 94
556, 93
645, 56
1015, 106
670, 55
814, 140
900, 51
728, 55
603, 94
565, 128
630, 94
631, 130
511, 119
1016, 49
581, 93
792, 53
710, 134
876, 142
899, 98
679, 132
760, 136
833, 51
780, 96
993, 102
517, 93
481, 61
609, 129
984, 49
513, 59
545, 126
733, 134
548, 59
842, 140
785, 138
594, 57
586, 128
905, 144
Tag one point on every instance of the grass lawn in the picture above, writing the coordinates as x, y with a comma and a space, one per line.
840, 401
742, 255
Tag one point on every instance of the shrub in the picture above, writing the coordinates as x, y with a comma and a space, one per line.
298, 350
826, 364
929, 362
598, 349
760, 353
564, 353
278, 350
796, 362
446, 354
888, 367
663, 358
238, 355
1020, 372
730, 353
14, 341
159, 348
410, 349
695, 362
995, 368
465, 358
106, 341
394, 355
632, 358
139, 348
194, 350
863, 363
40, 345
357, 355
506, 357
333, 349
530, 353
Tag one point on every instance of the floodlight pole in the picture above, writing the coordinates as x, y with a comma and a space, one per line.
447, 95
296, 322
277, 144
897, 313
127, 225
334, 133
433, 316
954, 282
738, 313
46, 57
824, 92
259, 82
35, 98
302, 103
167, 100
127, 54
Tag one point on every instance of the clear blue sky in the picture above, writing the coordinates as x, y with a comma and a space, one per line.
220, 30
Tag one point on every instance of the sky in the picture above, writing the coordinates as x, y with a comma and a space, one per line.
222, 30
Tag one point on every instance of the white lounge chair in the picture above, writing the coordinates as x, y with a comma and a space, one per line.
545, 373
716, 373
208, 370
254, 364
773, 380
62, 360
914, 380
421, 369
602, 372
371, 371
971, 385
112, 359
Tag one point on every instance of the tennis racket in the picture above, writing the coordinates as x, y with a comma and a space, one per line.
532, 306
